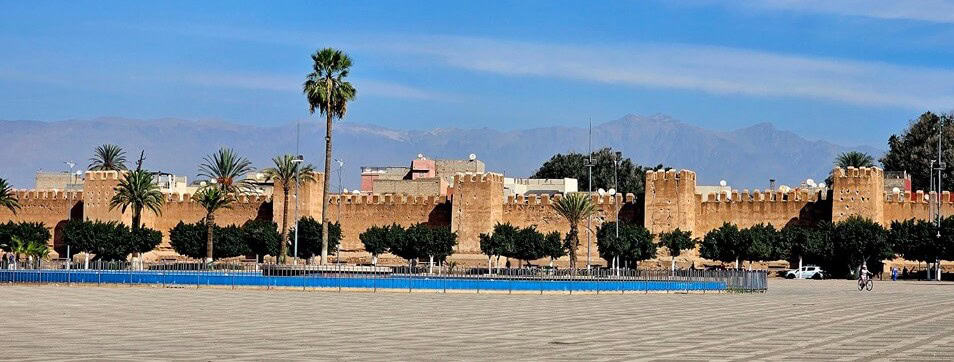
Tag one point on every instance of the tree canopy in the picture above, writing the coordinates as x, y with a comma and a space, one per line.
916, 146
309, 237
634, 244
573, 165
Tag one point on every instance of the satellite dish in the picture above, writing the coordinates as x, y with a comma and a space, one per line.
345, 191
611, 192
822, 184
472, 157
202, 183
810, 182
723, 183
896, 190
601, 192
79, 173
420, 155
784, 188
355, 192
926, 198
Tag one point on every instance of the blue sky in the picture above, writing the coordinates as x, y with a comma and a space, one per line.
852, 71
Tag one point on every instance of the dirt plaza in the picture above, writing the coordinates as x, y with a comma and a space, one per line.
795, 319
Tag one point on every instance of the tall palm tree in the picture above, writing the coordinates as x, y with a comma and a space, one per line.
328, 92
138, 190
227, 169
108, 157
854, 159
575, 207
8, 198
285, 171
212, 199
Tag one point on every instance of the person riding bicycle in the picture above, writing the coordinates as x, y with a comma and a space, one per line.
865, 274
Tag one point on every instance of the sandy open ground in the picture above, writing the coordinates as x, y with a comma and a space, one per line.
795, 319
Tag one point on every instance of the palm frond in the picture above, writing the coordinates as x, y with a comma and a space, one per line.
325, 86
227, 169
8, 197
108, 157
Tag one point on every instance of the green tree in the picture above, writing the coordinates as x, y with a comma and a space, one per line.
641, 245
286, 171
916, 146
858, 241
499, 243
33, 250
376, 242
227, 170
137, 190
327, 91
144, 240
310, 237
631, 176
854, 159
553, 246
574, 207
796, 243
8, 198
529, 245
760, 241
230, 242
634, 244
192, 239
212, 199
108, 157
438, 243
724, 244
189, 239
677, 241
32, 231
262, 237
611, 247
401, 245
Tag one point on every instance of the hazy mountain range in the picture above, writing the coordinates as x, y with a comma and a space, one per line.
745, 157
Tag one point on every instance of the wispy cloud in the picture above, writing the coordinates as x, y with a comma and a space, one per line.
281, 83
717, 70
937, 11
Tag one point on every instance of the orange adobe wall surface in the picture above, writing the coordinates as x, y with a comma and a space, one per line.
478, 204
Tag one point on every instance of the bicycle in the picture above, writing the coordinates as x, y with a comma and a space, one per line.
865, 284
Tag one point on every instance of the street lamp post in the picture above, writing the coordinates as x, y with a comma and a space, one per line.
616, 204
941, 165
589, 167
297, 161
338, 217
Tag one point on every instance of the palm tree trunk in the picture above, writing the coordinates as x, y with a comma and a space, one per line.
210, 223
284, 246
324, 190
136, 220
573, 245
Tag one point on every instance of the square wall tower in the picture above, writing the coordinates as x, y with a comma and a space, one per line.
858, 191
477, 207
670, 201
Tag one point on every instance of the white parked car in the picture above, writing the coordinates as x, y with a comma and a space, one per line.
808, 272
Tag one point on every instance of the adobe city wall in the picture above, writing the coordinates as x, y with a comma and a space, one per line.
478, 204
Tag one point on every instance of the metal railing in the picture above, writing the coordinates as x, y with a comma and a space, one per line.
410, 278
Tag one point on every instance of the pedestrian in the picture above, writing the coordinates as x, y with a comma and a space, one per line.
894, 273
